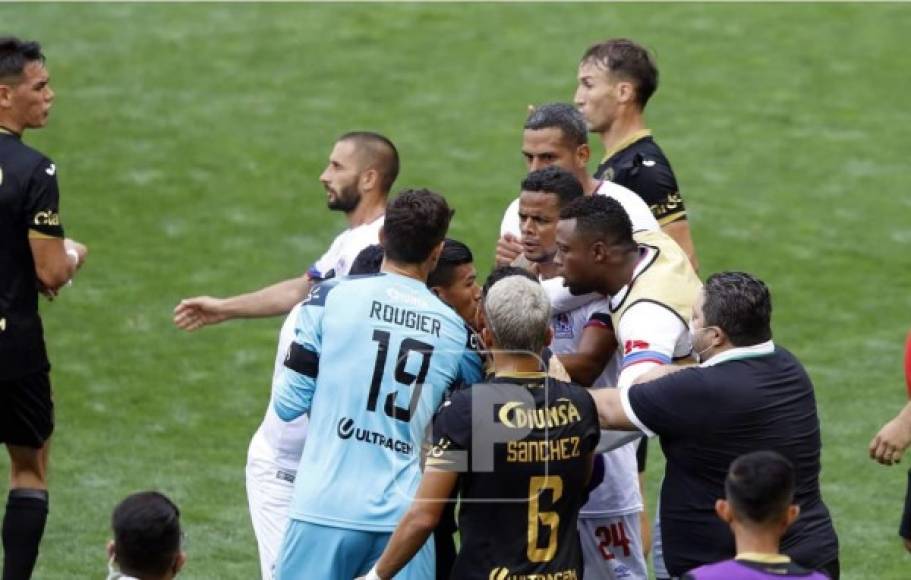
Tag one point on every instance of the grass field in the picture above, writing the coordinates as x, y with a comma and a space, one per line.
189, 139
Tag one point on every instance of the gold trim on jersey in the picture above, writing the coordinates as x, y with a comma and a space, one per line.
626, 143
668, 219
521, 375
764, 558
36, 235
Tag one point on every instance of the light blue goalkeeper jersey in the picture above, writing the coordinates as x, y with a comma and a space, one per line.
370, 362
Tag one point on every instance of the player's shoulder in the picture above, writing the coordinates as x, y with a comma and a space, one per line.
648, 148
22, 157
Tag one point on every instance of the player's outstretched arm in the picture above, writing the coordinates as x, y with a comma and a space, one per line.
417, 524
194, 313
888, 446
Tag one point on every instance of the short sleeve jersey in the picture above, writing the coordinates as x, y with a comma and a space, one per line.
756, 398
639, 164
371, 359
29, 208
523, 446
337, 260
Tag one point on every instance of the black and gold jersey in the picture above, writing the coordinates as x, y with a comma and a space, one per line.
524, 446
638, 164
29, 207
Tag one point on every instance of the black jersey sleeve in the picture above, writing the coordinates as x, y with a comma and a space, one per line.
452, 434
651, 176
42, 202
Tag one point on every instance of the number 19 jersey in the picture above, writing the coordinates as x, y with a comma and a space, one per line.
371, 359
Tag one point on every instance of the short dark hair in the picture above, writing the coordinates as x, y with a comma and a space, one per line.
561, 116
629, 61
368, 261
601, 217
416, 222
760, 485
15, 54
552, 179
454, 254
380, 152
146, 533
739, 304
501, 272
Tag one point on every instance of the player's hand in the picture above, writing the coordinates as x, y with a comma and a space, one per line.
194, 313
907, 542
80, 249
508, 249
891, 441
49, 293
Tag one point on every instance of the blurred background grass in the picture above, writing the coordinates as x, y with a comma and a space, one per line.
189, 139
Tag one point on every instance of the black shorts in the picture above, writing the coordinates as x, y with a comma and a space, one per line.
26, 410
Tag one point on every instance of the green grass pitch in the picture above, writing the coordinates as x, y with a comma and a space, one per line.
189, 139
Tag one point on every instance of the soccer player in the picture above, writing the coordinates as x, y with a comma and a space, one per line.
555, 134
616, 79
748, 393
34, 257
371, 360
758, 506
887, 448
276, 448
147, 539
362, 168
524, 445
609, 524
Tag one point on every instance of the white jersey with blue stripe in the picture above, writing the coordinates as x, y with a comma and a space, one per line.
371, 360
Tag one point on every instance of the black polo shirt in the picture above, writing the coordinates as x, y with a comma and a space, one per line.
742, 400
640, 165
29, 207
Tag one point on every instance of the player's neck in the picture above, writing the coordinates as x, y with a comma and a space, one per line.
370, 208
547, 270
505, 363
756, 541
622, 129
10, 126
589, 183
628, 270
416, 271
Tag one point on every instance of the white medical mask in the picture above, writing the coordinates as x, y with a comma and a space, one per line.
693, 331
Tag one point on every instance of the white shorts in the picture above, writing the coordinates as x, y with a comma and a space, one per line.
612, 548
269, 491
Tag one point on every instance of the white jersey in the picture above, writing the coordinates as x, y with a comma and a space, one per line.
638, 211
639, 214
286, 439
344, 249
619, 493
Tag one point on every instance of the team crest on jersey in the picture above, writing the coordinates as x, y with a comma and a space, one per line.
631, 345
563, 326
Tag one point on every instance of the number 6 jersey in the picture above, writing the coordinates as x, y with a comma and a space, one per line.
525, 445
371, 359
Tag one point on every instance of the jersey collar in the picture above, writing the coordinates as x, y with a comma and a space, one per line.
741, 352
763, 558
5, 131
626, 143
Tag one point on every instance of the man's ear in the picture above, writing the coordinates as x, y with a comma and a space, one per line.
486, 336
110, 549
436, 291
724, 511
369, 179
793, 512
600, 252
583, 154
550, 336
179, 562
626, 92
6, 96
